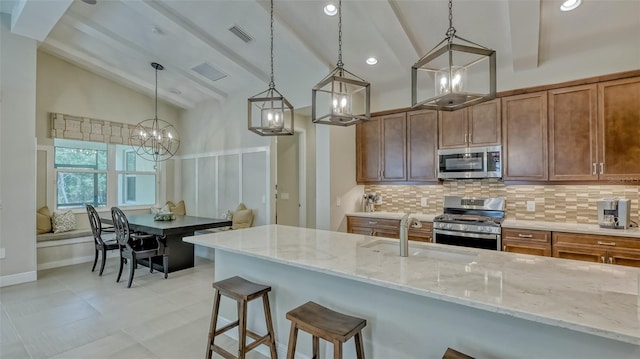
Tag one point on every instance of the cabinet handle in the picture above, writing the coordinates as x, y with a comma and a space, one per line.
465, 138
595, 171
470, 137
601, 168
602, 259
525, 235
370, 222
612, 244
504, 248
610, 260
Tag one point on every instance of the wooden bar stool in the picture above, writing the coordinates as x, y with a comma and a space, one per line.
454, 354
324, 323
242, 291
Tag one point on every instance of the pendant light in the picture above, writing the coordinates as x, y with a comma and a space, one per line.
155, 139
269, 113
453, 75
341, 98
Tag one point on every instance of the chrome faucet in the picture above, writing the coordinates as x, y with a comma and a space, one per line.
406, 223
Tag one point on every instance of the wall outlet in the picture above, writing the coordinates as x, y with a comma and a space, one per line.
2, 253
338, 201
423, 202
531, 206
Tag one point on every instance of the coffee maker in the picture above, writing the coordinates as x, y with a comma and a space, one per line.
614, 213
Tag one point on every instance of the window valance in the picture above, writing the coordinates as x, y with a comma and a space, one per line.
89, 129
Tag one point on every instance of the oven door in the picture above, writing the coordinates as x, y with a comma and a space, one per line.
468, 239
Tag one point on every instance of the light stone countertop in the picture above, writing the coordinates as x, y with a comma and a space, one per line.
593, 298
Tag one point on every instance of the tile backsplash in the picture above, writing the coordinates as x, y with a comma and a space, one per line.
553, 203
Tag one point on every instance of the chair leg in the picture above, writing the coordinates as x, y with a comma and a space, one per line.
132, 270
122, 261
359, 345
165, 265
293, 337
316, 347
104, 260
267, 317
214, 323
242, 329
95, 260
337, 350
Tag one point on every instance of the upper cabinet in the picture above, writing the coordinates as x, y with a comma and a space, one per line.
478, 125
524, 125
422, 140
368, 167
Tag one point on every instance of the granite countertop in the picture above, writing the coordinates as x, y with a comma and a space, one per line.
593, 298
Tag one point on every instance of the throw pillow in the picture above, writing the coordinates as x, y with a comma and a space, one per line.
63, 221
242, 218
178, 209
43, 220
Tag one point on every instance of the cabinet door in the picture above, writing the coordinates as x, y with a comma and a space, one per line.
368, 151
387, 233
484, 124
422, 142
394, 147
361, 230
424, 234
619, 129
453, 128
624, 258
526, 248
572, 133
524, 128
580, 253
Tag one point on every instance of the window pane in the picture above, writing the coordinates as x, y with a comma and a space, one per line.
75, 189
136, 189
127, 160
80, 154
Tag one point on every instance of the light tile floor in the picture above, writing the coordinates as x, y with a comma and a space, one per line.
70, 312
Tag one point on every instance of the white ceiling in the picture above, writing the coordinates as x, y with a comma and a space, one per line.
119, 39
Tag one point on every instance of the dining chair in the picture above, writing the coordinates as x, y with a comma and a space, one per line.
101, 245
135, 246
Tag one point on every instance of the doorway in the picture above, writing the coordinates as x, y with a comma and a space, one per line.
288, 201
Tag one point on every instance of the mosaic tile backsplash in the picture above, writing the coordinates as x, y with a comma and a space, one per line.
554, 203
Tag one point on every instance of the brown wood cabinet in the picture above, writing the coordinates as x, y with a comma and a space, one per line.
573, 151
388, 228
597, 248
368, 167
524, 127
381, 147
619, 129
478, 125
526, 241
422, 140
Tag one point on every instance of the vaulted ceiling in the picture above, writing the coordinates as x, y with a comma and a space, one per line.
204, 60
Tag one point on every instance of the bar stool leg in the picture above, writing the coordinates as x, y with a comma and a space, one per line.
242, 329
337, 350
267, 317
359, 345
293, 337
316, 347
214, 322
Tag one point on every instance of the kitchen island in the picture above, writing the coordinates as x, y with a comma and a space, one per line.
487, 304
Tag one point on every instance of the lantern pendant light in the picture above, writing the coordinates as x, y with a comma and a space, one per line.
269, 113
453, 75
155, 139
341, 98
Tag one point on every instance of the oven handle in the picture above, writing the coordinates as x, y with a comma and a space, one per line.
465, 234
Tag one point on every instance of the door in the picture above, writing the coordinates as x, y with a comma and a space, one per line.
368, 151
394, 147
580, 253
288, 200
484, 124
626, 257
453, 128
572, 133
422, 143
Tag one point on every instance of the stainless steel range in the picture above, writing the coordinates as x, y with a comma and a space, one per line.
470, 222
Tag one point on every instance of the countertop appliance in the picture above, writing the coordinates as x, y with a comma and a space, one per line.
470, 222
470, 162
614, 213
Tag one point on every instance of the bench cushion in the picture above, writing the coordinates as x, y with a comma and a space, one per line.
76, 233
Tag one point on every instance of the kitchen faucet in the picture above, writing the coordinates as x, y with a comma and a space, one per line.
406, 223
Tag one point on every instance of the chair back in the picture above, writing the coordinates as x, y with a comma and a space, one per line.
96, 225
121, 225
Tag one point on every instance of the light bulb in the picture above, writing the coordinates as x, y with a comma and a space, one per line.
343, 102
335, 104
169, 135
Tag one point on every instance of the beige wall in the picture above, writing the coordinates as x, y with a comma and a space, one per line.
343, 176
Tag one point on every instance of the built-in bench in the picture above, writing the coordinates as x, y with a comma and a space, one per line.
45, 237
66, 248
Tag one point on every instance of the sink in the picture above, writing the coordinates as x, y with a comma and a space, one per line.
393, 248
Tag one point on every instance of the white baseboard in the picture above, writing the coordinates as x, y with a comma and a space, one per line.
65, 262
262, 349
12, 279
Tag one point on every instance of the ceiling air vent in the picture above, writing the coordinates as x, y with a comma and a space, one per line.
243, 35
209, 71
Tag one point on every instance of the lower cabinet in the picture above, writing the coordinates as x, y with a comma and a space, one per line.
388, 228
526, 241
596, 248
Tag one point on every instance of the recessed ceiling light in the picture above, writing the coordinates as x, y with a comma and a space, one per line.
569, 5
330, 10
372, 61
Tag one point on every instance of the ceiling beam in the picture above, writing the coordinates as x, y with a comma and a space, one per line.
413, 39
524, 27
35, 19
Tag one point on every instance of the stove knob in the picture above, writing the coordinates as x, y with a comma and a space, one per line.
449, 226
463, 227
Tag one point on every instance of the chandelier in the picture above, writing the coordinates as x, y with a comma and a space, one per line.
155, 139
341, 98
270, 114
453, 75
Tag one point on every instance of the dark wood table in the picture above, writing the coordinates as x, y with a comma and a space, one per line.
180, 253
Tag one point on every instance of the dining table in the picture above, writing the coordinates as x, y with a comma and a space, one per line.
180, 253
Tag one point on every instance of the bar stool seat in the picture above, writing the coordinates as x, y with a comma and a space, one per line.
242, 291
322, 322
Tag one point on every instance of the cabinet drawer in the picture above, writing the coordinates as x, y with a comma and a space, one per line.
526, 247
374, 222
605, 242
526, 235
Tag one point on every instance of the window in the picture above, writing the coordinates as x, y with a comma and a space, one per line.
102, 175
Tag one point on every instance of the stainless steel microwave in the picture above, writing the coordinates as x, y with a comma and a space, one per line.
470, 162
